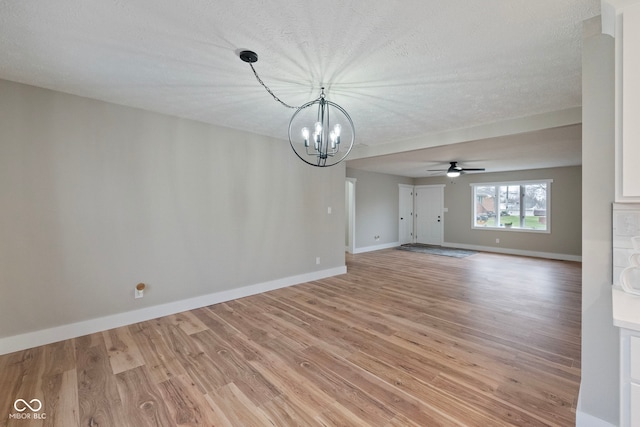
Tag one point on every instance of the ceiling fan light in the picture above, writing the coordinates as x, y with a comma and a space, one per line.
453, 173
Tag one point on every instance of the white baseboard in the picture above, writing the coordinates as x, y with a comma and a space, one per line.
509, 251
586, 420
78, 329
376, 248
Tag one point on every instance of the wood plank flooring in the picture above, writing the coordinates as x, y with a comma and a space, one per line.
403, 339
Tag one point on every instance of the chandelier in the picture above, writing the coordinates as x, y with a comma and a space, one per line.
321, 132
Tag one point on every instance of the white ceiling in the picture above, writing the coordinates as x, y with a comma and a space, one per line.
403, 69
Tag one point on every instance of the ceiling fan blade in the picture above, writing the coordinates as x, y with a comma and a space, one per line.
454, 168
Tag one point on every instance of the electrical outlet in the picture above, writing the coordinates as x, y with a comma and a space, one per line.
317, 260
497, 240
139, 291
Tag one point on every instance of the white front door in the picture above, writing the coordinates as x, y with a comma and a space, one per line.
429, 200
405, 227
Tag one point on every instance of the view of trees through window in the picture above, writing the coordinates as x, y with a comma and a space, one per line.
512, 205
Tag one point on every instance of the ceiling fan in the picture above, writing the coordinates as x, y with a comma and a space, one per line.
455, 170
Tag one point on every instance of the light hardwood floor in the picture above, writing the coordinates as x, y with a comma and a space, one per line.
403, 339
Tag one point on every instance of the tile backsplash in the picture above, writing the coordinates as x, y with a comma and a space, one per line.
626, 224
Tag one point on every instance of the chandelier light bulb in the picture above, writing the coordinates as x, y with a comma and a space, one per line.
337, 129
333, 137
305, 135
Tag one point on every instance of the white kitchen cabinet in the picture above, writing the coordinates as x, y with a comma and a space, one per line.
621, 19
634, 407
629, 144
626, 315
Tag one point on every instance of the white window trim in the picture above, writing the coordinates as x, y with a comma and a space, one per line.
531, 181
511, 183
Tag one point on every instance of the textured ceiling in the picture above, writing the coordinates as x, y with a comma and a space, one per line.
401, 68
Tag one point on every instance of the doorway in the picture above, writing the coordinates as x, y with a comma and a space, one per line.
350, 210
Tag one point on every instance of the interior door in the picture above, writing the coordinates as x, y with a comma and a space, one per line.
405, 227
429, 200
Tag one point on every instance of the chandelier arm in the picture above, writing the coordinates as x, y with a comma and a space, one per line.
269, 90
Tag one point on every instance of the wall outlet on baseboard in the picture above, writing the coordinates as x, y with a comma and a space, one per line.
376, 238
497, 240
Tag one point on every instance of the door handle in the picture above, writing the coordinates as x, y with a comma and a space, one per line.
401, 218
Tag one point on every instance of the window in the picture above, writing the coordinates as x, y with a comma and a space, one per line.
522, 206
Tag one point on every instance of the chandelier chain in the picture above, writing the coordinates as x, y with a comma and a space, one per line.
269, 90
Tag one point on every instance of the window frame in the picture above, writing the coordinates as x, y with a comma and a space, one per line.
520, 184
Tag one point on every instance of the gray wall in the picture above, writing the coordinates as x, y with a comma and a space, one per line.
565, 206
600, 368
97, 197
377, 207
